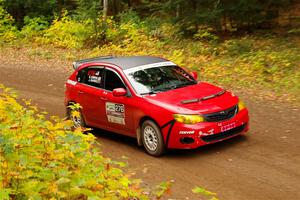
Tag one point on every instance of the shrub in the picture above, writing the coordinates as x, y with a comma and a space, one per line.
177, 57
236, 47
206, 33
67, 33
34, 26
167, 32
128, 39
42, 159
8, 32
129, 16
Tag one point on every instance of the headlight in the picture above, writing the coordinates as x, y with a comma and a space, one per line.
188, 119
241, 105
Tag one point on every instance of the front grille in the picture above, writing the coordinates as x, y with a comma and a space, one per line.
223, 135
222, 115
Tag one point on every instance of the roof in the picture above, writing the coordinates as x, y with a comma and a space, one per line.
125, 62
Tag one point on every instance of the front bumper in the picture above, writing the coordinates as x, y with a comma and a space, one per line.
184, 136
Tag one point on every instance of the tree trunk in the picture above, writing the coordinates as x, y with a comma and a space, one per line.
195, 6
115, 7
104, 22
105, 8
177, 14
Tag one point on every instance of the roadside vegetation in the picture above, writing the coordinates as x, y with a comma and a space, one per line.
45, 159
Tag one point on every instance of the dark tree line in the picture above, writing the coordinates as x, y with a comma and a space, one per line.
190, 14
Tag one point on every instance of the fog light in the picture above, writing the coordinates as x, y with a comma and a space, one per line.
187, 140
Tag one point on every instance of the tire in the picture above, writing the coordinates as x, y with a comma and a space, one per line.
78, 121
152, 138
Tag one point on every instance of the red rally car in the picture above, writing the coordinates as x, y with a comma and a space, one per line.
153, 100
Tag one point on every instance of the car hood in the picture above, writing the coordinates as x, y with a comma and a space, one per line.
201, 98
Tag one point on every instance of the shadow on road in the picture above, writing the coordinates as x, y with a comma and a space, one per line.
207, 149
121, 141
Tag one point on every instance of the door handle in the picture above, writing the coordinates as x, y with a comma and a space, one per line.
103, 98
80, 92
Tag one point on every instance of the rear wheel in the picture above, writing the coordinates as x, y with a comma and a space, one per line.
152, 138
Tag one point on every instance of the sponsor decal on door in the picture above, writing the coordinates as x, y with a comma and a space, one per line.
115, 113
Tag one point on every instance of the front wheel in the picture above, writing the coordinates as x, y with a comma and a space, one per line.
152, 138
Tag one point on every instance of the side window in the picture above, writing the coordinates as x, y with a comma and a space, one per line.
113, 81
91, 76
81, 75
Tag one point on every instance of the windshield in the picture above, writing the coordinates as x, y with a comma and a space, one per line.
159, 79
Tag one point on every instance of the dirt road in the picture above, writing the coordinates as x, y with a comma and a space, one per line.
264, 164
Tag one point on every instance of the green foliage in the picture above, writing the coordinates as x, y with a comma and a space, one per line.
128, 37
236, 47
203, 191
8, 32
189, 15
34, 26
257, 63
67, 32
129, 30
178, 57
42, 159
294, 31
163, 188
91, 10
19, 9
129, 16
206, 33
88, 9
166, 32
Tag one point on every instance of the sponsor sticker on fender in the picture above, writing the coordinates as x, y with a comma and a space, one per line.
228, 127
186, 132
206, 133
115, 113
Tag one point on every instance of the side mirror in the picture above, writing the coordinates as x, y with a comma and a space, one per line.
194, 75
118, 92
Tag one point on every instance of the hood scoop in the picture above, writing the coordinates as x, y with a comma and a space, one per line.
203, 98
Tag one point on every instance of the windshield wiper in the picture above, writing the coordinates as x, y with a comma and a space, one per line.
172, 87
151, 92
184, 84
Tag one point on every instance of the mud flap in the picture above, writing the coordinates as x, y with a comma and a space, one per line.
139, 136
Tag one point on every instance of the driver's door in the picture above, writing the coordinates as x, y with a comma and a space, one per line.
119, 110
